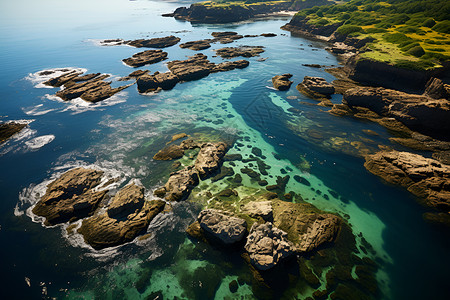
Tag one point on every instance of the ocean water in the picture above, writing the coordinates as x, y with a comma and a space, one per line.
121, 135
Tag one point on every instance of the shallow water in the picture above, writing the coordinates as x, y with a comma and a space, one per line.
122, 134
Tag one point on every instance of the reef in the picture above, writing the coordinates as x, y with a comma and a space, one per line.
162, 42
89, 87
244, 51
145, 58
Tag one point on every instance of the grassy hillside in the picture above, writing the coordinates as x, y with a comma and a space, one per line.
289, 4
408, 33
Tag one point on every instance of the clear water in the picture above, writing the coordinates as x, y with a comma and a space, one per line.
122, 134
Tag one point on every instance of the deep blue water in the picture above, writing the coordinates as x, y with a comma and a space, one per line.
122, 137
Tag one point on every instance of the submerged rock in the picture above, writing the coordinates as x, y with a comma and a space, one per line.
145, 58
426, 178
267, 246
244, 51
8, 129
71, 196
222, 226
282, 82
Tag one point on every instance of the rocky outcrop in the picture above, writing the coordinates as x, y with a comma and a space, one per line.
308, 228
315, 87
244, 51
282, 82
134, 75
426, 178
180, 184
193, 68
109, 229
90, 87
206, 13
197, 45
162, 42
127, 200
8, 129
299, 25
210, 158
257, 209
222, 226
145, 58
223, 37
419, 112
71, 197
267, 246
436, 89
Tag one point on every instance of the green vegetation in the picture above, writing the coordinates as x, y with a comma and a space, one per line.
405, 32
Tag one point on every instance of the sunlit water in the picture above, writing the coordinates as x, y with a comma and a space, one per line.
122, 134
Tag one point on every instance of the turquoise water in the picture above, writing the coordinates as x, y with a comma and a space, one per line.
122, 134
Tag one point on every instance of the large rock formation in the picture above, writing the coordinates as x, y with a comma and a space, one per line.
419, 112
109, 229
244, 51
162, 42
71, 196
315, 87
426, 178
8, 129
267, 246
193, 68
180, 184
257, 209
306, 227
90, 87
222, 226
145, 58
282, 82
210, 158
436, 89
127, 200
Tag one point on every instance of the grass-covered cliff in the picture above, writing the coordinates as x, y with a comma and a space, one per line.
412, 34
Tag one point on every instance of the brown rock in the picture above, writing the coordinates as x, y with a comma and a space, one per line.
8, 129
267, 246
244, 51
315, 87
145, 58
101, 231
196, 67
436, 89
197, 45
180, 184
426, 178
155, 42
71, 196
222, 226
282, 82
126, 201
210, 158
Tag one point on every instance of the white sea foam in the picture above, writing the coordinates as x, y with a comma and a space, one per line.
36, 110
40, 77
40, 141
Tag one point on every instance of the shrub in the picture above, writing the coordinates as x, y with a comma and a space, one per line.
408, 45
376, 30
429, 23
348, 29
442, 27
435, 56
414, 65
416, 51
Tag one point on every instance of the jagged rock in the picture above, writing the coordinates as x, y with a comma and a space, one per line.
315, 87
244, 51
149, 83
104, 230
282, 82
267, 246
222, 226
180, 184
145, 58
126, 201
196, 67
155, 42
418, 112
436, 89
226, 37
134, 75
89, 87
169, 153
230, 65
71, 196
307, 227
259, 209
426, 178
8, 129
210, 158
